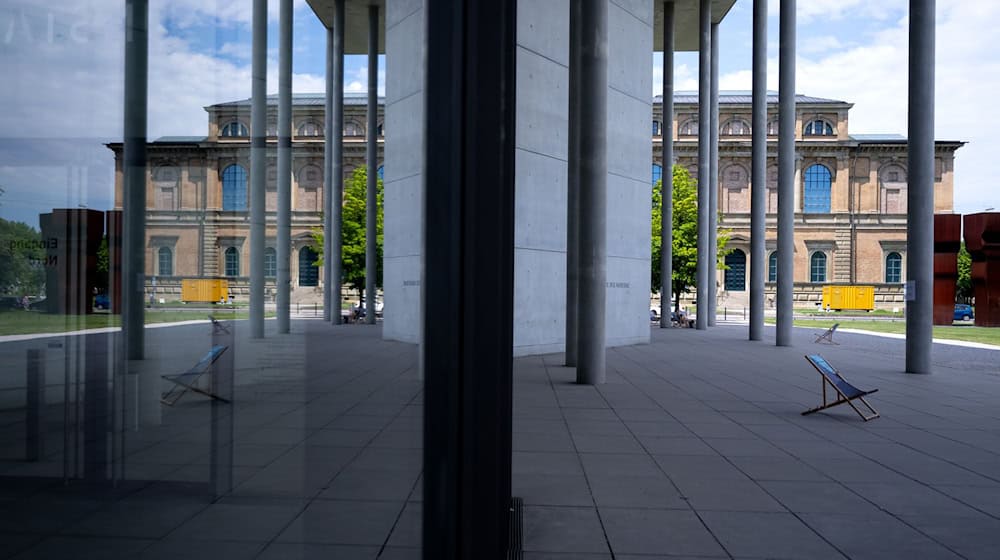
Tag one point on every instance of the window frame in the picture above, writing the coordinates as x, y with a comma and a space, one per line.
159, 261
235, 251
236, 204
809, 199
270, 262
243, 131
772, 267
815, 258
827, 129
899, 267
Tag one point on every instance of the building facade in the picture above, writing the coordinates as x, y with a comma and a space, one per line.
197, 195
850, 195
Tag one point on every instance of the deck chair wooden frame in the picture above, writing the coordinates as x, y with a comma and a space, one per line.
846, 393
826, 337
188, 380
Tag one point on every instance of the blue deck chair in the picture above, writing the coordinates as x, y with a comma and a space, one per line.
188, 381
845, 391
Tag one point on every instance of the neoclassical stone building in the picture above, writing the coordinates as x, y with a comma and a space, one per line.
850, 195
197, 194
850, 198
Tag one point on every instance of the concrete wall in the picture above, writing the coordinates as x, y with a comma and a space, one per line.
403, 172
540, 167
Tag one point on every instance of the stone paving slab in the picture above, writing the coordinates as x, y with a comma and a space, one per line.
694, 448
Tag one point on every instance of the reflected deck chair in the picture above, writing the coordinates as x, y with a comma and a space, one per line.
845, 391
826, 337
188, 381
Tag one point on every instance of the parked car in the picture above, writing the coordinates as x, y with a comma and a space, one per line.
102, 301
964, 312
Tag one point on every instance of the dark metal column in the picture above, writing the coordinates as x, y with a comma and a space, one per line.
371, 157
758, 181
704, 153
468, 212
590, 368
713, 211
333, 174
573, 188
667, 190
134, 176
284, 240
258, 147
920, 194
786, 172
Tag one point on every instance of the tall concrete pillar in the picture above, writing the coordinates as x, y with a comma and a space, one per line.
573, 187
667, 198
758, 181
704, 268
920, 194
134, 175
713, 211
333, 173
371, 158
258, 163
786, 172
590, 368
284, 240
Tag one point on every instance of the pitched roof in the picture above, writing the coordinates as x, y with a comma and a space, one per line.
744, 98
304, 100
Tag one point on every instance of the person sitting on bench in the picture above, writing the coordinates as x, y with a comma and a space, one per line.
845, 391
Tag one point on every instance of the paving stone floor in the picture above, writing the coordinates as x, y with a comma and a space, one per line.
694, 448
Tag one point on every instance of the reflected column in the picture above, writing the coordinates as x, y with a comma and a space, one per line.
134, 176
786, 172
573, 188
258, 147
284, 165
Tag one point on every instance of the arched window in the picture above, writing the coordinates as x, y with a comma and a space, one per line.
235, 129
381, 130
270, 262
772, 127
818, 127
165, 261
381, 172
657, 172
165, 179
234, 188
817, 267
892, 189
232, 255
735, 127
353, 129
893, 268
689, 128
736, 271
308, 271
772, 267
656, 128
309, 128
772, 189
817, 190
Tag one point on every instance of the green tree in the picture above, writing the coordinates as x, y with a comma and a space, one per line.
353, 234
685, 234
21, 256
963, 289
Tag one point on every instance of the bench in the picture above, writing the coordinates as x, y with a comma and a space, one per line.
846, 393
826, 337
188, 380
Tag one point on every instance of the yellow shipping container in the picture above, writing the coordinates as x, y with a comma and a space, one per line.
211, 290
849, 297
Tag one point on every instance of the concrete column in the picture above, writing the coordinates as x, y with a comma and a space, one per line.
758, 181
333, 173
666, 201
920, 194
134, 176
704, 268
713, 211
573, 187
284, 248
258, 155
593, 191
371, 200
786, 172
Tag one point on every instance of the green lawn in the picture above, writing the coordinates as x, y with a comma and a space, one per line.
968, 333
30, 322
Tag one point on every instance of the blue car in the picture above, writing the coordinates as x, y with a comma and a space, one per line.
102, 301
963, 312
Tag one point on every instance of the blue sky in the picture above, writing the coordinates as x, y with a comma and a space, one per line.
63, 61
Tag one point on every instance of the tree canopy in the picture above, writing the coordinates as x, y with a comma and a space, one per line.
354, 235
21, 256
963, 288
685, 233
